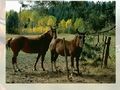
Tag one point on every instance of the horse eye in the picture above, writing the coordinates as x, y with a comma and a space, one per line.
80, 36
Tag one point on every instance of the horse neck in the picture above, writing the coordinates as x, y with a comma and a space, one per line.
75, 42
47, 37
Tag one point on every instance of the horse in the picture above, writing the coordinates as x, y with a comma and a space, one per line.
73, 49
39, 44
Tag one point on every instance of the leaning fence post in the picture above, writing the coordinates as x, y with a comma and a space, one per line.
103, 51
66, 58
107, 52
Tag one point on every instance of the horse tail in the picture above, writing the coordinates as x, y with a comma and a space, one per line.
8, 43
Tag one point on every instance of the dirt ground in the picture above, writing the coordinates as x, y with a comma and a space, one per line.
90, 74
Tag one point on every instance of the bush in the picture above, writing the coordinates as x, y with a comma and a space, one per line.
59, 30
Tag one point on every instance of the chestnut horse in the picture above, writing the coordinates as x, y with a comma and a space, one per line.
38, 45
73, 49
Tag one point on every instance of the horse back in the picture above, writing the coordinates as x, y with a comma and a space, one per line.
28, 45
17, 43
58, 47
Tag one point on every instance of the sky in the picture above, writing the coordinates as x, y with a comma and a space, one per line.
15, 5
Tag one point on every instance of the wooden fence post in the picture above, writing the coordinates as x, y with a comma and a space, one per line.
66, 58
107, 52
103, 51
98, 39
103, 37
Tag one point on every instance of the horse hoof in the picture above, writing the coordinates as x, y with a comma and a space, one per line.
43, 69
34, 69
60, 71
71, 78
19, 70
15, 71
79, 74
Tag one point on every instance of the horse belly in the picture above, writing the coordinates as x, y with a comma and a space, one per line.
29, 49
64, 54
61, 52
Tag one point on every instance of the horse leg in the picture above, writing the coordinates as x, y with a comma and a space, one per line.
55, 58
77, 64
14, 62
42, 60
52, 57
36, 61
72, 65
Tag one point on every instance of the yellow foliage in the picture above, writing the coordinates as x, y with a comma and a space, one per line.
39, 29
68, 23
51, 21
78, 23
46, 28
28, 30
62, 24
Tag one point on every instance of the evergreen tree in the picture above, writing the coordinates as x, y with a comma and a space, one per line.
12, 22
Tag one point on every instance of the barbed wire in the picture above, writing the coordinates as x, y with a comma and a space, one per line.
101, 31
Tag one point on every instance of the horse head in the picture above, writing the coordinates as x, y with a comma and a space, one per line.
82, 34
52, 32
79, 40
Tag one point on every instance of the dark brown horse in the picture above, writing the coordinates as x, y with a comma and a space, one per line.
73, 49
38, 45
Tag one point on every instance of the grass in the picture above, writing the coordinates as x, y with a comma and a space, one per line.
91, 72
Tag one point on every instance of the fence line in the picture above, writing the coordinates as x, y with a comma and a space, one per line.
102, 31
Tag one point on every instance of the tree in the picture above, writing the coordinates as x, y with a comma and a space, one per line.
51, 21
12, 22
68, 23
34, 17
97, 21
25, 16
79, 24
62, 24
43, 21
67, 15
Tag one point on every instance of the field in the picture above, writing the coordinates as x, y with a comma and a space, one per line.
90, 73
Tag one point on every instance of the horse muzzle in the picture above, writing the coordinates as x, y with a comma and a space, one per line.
55, 37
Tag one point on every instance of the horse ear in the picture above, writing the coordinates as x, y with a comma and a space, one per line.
56, 27
51, 27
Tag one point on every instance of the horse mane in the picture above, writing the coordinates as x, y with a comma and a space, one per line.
45, 38
74, 41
